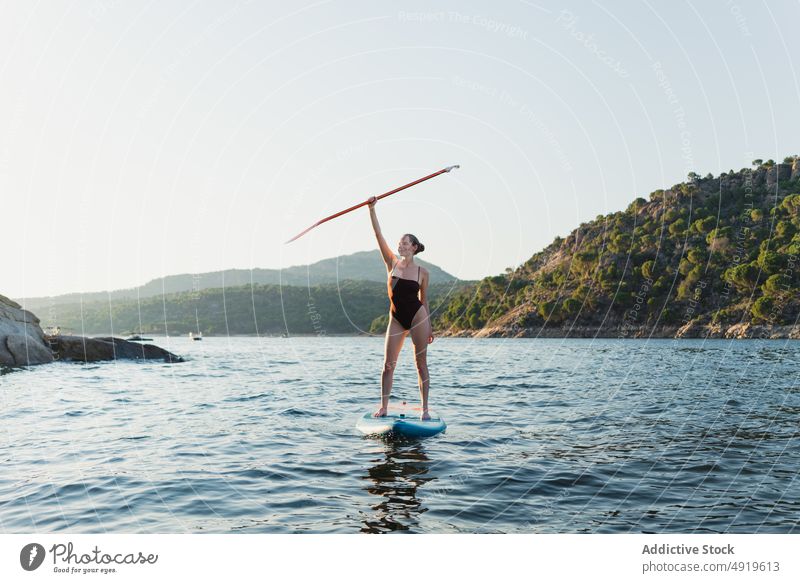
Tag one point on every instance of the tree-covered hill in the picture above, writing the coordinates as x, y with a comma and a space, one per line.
711, 252
349, 307
363, 265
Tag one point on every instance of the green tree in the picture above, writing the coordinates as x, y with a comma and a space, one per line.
647, 268
571, 306
696, 256
777, 284
762, 308
677, 227
770, 262
686, 289
545, 309
637, 205
743, 277
791, 204
785, 229
718, 234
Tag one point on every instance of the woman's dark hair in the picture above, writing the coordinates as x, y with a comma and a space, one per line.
415, 241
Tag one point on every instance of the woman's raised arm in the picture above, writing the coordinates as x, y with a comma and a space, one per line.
389, 257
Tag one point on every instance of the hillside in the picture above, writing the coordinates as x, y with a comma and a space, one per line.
363, 266
713, 256
348, 307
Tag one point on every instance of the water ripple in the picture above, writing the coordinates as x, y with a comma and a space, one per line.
256, 435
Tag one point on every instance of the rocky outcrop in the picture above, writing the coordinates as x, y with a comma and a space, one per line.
22, 341
778, 172
82, 349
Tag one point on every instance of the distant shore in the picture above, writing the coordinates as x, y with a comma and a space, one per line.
731, 332
688, 331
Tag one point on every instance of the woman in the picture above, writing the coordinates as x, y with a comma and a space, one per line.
407, 285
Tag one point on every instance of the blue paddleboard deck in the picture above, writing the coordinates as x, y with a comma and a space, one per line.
401, 422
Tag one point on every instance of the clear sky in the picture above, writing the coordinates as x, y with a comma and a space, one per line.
142, 139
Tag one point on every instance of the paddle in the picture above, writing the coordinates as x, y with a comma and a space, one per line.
410, 184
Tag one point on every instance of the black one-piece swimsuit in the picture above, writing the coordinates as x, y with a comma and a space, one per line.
405, 302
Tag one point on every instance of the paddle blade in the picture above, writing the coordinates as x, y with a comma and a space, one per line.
301, 234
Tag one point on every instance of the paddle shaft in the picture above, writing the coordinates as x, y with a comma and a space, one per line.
377, 198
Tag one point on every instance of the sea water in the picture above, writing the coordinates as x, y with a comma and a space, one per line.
256, 435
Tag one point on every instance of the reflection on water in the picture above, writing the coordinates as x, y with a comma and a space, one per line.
395, 479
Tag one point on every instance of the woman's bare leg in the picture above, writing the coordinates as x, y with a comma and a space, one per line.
395, 334
419, 336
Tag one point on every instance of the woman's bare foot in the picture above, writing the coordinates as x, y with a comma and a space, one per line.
425, 416
380, 412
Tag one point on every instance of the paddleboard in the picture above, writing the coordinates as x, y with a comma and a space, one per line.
401, 421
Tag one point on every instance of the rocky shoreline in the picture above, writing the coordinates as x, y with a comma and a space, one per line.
744, 331
82, 349
24, 343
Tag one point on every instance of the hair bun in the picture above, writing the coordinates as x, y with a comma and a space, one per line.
414, 241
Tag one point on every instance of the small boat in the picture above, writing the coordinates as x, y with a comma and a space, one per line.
138, 338
199, 335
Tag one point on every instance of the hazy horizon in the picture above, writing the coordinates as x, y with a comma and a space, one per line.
83, 291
